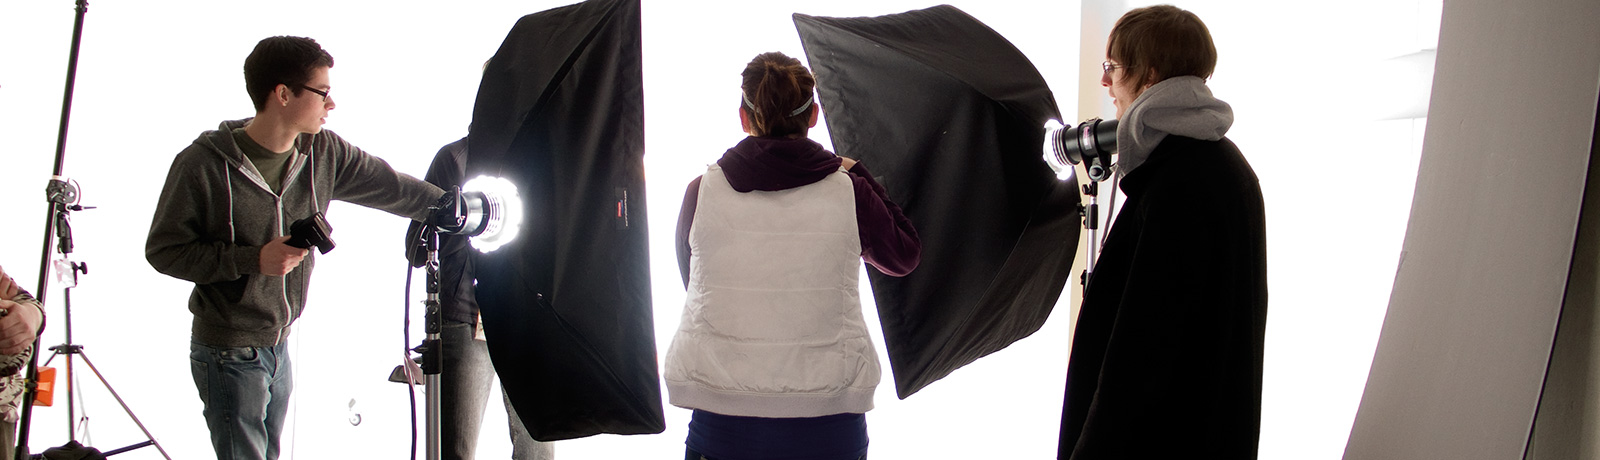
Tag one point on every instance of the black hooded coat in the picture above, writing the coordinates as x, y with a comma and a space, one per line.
1167, 352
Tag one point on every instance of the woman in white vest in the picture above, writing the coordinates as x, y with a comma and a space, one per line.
772, 353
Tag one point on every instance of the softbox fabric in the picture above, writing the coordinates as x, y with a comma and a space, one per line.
566, 305
949, 116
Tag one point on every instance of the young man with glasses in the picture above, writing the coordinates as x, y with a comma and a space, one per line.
222, 223
1168, 349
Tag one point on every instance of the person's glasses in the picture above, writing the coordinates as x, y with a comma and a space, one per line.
1108, 66
319, 92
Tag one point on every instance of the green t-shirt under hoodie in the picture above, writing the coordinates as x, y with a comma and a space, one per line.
270, 164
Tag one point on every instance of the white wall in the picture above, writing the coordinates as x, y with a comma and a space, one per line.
154, 74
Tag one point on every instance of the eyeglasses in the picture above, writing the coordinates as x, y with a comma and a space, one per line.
1108, 66
319, 92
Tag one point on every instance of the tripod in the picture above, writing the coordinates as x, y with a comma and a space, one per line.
62, 197
69, 349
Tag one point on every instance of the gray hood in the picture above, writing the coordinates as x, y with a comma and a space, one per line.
1182, 105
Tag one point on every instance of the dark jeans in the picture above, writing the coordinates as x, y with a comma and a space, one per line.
246, 395
690, 454
464, 391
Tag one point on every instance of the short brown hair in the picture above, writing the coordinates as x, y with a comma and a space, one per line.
1164, 38
284, 61
774, 86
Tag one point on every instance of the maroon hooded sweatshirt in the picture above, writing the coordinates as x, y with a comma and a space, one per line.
888, 241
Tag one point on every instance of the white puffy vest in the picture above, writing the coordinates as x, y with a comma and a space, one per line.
772, 325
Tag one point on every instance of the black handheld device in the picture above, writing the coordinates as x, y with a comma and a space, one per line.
311, 231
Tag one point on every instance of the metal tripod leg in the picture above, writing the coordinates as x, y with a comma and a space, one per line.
150, 440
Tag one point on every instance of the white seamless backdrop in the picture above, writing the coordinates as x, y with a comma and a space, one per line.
154, 74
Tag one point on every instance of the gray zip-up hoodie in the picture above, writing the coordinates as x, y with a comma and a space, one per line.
215, 213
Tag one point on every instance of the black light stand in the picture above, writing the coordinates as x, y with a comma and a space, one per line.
1091, 222
432, 346
450, 215
466, 215
62, 196
1091, 143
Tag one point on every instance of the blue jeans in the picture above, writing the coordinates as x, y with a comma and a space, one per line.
245, 391
691, 454
464, 391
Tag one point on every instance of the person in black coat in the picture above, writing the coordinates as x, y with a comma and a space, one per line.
1167, 354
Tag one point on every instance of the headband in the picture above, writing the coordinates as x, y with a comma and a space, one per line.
795, 112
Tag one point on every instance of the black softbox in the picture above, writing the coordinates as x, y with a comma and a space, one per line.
566, 305
949, 115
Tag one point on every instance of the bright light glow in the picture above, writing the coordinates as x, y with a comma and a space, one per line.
504, 208
1052, 133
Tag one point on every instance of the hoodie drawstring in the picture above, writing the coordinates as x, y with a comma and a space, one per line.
233, 237
310, 150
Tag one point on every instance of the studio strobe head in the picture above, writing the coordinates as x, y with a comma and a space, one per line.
1092, 142
493, 210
